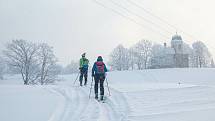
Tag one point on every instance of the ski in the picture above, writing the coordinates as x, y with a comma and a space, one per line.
102, 101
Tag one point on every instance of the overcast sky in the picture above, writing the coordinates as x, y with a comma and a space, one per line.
76, 26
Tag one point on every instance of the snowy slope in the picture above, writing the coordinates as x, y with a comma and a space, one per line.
149, 95
26, 103
168, 94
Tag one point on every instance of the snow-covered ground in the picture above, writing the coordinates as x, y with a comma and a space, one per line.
148, 95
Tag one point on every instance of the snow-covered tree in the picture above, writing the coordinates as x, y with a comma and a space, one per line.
35, 62
47, 62
143, 50
132, 58
2, 68
138, 55
22, 55
73, 67
202, 55
188, 50
119, 58
157, 55
157, 50
212, 63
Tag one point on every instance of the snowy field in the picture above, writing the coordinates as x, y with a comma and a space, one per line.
148, 95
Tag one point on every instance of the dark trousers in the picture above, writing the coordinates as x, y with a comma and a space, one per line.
83, 73
99, 79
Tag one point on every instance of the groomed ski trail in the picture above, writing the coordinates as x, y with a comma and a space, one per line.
76, 105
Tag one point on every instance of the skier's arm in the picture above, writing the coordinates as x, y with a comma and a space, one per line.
93, 69
80, 63
105, 68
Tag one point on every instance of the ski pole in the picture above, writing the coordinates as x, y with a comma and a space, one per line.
91, 87
76, 78
108, 86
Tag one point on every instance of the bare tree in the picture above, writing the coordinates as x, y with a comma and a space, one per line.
2, 68
57, 69
202, 55
132, 58
122, 58
119, 58
212, 63
143, 50
22, 55
73, 67
47, 62
127, 59
157, 50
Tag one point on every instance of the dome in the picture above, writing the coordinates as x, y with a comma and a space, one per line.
176, 41
176, 38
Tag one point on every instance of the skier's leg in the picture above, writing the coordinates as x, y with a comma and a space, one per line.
96, 86
102, 78
85, 78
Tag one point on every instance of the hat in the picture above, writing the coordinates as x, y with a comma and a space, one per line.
83, 55
99, 58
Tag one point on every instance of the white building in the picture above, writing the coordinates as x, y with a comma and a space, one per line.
171, 57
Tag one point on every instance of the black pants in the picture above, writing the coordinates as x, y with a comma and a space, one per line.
99, 79
83, 73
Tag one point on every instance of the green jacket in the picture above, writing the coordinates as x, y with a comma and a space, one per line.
83, 62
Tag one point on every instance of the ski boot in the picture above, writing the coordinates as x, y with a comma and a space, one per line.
85, 83
102, 97
96, 97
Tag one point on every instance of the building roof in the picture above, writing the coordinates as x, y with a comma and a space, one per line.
168, 50
176, 37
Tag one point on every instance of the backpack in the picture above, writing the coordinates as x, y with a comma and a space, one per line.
100, 67
85, 64
85, 67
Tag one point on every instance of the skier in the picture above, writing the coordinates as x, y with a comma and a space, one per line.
84, 62
99, 72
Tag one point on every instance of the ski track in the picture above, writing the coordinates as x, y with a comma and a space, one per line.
120, 105
76, 105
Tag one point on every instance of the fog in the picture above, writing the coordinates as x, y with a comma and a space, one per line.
76, 26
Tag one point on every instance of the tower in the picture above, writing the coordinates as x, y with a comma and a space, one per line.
180, 58
177, 44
